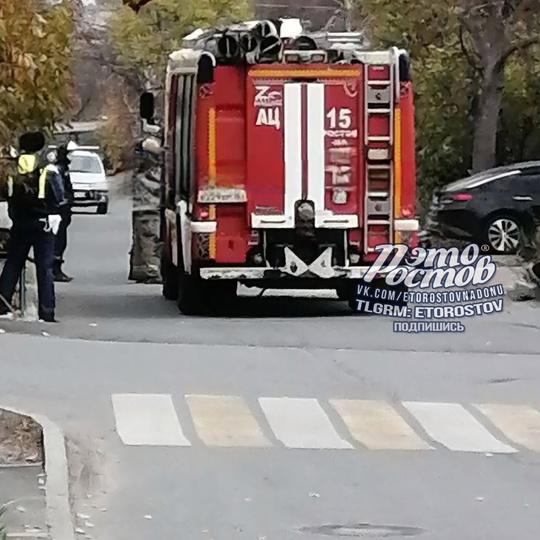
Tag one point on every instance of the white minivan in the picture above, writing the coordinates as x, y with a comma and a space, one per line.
89, 180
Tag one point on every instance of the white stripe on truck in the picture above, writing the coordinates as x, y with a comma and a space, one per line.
315, 142
292, 148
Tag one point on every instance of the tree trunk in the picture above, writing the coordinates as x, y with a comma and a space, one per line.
487, 121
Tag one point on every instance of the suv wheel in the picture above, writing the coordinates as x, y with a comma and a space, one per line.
503, 235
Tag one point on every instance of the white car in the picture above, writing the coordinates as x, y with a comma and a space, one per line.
89, 180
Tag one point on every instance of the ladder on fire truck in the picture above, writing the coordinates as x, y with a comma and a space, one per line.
380, 81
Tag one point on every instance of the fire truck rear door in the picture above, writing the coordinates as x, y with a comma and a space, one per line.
304, 138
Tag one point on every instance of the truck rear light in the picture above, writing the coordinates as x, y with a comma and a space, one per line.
201, 212
254, 238
292, 57
407, 212
462, 197
318, 58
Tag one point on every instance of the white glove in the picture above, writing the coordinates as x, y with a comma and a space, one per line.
54, 223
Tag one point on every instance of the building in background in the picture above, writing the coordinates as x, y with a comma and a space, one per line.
331, 14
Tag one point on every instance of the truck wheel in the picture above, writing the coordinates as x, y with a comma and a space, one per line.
346, 291
220, 295
221, 291
191, 298
169, 275
103, 208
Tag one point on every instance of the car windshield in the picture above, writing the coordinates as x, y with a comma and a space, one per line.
85, 164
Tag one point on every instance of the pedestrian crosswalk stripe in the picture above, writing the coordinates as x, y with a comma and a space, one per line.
378, 426
519, 423
301, 423
225, 421
454, 427
147, 420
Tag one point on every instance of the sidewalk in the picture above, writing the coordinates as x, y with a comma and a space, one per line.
22, 477
20, 493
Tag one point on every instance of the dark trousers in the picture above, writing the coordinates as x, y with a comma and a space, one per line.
61, 239
24, 235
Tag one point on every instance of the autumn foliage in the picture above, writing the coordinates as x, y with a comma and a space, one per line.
476, 71
117, 134
34, 64
145, 33
35, 78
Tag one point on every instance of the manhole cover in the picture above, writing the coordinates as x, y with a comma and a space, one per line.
364, 530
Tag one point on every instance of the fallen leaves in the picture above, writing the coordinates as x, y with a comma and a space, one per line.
20, 439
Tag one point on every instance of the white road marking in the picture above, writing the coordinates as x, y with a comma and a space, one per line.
454, 427
147, 420
377, 425
301, 423
225, 421
520, 423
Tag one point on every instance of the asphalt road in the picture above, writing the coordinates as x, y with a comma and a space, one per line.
288, 419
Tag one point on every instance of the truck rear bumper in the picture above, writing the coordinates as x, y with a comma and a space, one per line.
241, 273
294, 268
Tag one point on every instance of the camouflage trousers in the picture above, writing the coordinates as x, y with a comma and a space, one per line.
145, 254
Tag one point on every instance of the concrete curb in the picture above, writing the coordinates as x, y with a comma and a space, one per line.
58, 509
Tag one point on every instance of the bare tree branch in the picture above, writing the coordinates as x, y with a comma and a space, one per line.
527, 5
474, 24
522, 45
468, 55
136, 5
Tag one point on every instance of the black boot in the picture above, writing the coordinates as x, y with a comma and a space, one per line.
5, 308
48, 318
59, 275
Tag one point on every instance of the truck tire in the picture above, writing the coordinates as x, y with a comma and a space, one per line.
345, 291
192, 294
103, 208
169, 275
220, 296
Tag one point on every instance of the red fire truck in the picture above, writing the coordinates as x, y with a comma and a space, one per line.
289, 158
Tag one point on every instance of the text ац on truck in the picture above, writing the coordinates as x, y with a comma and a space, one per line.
288, 158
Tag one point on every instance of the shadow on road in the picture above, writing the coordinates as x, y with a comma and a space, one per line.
133, 301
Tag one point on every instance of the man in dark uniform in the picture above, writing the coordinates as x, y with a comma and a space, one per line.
62, 162
35, 198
